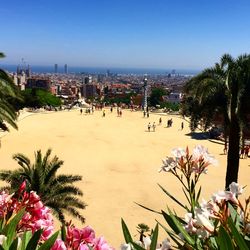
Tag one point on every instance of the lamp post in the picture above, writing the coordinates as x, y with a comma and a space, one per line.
145, 93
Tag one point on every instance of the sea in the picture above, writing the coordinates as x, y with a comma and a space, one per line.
102, 70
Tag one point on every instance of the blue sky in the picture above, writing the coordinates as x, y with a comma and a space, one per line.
181, 34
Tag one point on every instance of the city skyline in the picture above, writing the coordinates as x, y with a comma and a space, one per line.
133, 34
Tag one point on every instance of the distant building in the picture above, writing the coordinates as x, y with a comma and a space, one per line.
66, 69
20, 80
56, 68
39, 83
88, 90
173, 97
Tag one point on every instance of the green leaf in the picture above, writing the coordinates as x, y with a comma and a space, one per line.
149, 209
1, 248
170, 222
237, 236
172, 197
173, 235
32, 244
235, 216
154, 238
224, 240
63, 233
126, 233
184, 233
49, 243
14, 244
10, 228
25, 239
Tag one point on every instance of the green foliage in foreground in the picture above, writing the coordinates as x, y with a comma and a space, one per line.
8, 91
56, 191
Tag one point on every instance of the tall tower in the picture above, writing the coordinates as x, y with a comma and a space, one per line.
56, 68
145, 93
66, 69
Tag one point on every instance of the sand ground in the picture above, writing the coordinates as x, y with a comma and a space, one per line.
119, 162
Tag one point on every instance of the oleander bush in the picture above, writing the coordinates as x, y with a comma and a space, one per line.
222, 222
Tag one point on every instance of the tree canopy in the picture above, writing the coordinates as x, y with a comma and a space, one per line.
222, 91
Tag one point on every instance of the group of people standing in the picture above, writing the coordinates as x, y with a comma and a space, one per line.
169, 124
153, 126
244, 151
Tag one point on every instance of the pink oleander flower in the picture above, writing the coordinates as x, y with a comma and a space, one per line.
36, 215
101, 244
59, 245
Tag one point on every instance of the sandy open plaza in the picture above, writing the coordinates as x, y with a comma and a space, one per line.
119, 161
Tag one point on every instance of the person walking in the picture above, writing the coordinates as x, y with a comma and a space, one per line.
154, 126
182, 125
160, 121
149, 127
103, 113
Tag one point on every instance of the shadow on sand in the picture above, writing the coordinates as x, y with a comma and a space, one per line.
204, 136
198, 135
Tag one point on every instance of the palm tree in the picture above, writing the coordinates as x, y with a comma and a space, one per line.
7, 90
55, 191
222, 90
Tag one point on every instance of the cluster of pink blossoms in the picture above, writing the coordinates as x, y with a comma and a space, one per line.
81, 239
36, 215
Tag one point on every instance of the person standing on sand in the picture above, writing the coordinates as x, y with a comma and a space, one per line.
225, 148
80, 111
149, 126
103, 113
246, 151
182, 125
154, 126
160, 121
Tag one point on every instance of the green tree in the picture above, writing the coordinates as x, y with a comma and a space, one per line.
222, 91
8, 115
56, 191
156, 95
39, 98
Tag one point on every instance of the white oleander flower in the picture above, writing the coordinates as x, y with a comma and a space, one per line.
224, 196
202, 217
190, 226
125, 247
165, 245
2, 239
168, 164
146, 242
235, 188
200, 152
178, 152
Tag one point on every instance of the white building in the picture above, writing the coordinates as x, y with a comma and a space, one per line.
173, 97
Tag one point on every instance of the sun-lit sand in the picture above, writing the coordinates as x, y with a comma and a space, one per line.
119, 162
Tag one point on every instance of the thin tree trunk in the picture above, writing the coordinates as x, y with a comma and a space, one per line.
233, 152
